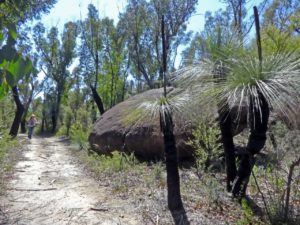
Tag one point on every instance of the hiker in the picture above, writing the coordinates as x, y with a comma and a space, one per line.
32, 122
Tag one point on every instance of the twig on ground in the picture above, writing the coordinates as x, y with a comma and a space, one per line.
262, 196
23, 189
99, 210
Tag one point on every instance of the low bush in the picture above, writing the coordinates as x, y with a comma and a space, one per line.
206, 144
116, 162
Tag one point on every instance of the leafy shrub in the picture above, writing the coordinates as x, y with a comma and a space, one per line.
79, 135
213, 190
6, 143
206, 144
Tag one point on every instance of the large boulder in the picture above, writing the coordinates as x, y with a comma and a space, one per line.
133, 126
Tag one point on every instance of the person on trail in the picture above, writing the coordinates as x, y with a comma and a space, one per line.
32, 122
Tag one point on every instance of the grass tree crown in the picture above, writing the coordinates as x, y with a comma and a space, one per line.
235, 80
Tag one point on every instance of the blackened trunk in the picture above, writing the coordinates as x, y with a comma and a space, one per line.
56, 110
259, 116
23, 121
43, 117
173, 181
43, 122
27, 104
53, 120
97, 100
19, 112
225, 123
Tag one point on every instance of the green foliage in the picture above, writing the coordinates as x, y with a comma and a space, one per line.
79, 135
248, 216
146, 48
273, 184
7, 110
206, 144
13, 66
6, 143
8, 155
213, 190
275, 41
283, 14
132, 117
117, 162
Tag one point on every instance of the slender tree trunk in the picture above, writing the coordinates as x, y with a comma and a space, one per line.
112, 88
43, 121
97, 100
23, 121
123, 88
19, 112
288, 189
166, 125
55, 112
225, 123
53, 119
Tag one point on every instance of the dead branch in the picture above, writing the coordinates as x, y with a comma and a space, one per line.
24, 189
99, 210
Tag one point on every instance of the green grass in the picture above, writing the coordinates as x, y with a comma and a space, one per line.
132, 117
117, 162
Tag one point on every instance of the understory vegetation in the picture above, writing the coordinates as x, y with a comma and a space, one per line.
202, 189
9, 154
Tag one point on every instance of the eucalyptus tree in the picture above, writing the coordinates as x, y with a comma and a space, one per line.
114, 65
76, 99
284, 15
90, 53
217, 29
56, 56
238, 12
140, 24
13, 64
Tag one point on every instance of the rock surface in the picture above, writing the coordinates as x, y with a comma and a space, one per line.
127, 127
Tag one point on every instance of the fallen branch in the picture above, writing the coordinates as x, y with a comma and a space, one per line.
23, 189
99, 210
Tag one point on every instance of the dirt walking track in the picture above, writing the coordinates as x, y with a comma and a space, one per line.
49, 187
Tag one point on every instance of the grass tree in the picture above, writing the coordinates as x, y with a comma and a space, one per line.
163, 108
166, 124
245, 80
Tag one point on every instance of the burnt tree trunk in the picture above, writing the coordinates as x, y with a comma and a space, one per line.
53, 119
225, 123
166, 125
19, 112
43, 121
173, 181
23, 121
259, 116
97, 100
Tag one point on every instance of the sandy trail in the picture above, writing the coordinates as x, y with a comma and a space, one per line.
48, 187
